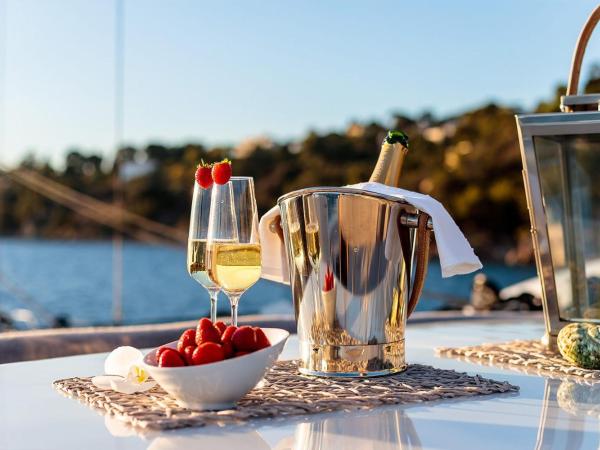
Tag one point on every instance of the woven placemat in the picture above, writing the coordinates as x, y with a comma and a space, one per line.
283, 393
530, 357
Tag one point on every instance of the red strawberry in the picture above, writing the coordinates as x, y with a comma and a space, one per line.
204, 323
220, 326
170, 358
221, 171
228, 349
207, 353
244, 339
187, 354
206, 332
188, 337
228, 333
204, 175
241, 354
262, 341
160, 350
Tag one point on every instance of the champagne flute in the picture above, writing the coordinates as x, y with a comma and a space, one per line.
233, 250
196, 252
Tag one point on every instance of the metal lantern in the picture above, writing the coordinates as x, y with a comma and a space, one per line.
561, 161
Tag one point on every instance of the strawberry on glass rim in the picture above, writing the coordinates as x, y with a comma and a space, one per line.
204, 175
221, 171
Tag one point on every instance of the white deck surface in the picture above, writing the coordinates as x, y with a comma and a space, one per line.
34, 416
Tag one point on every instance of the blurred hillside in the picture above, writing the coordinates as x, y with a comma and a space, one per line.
471, 163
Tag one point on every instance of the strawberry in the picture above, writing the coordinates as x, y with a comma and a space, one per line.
228, 333
160, 350
244, 339
221, 171
204, 175
221, 327
262, 341
188, 337
170, 358
204, 323
187, 354
206, 332
241, 354
207, 353
228, 349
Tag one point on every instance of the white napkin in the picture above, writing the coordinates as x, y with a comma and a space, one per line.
456, 255
273, 258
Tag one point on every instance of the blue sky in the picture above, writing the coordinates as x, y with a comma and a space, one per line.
217, 72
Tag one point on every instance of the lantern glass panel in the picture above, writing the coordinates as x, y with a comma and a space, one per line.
569, 173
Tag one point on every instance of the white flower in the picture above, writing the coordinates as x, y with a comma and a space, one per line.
124, 372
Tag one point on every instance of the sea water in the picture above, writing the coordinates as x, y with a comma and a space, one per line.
75, 279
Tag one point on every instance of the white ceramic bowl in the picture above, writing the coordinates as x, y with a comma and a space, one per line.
217, 385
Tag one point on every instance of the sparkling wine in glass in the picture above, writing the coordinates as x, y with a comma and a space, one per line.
233, 252
196, 252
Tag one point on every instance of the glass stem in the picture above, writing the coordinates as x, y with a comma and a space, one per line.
214, 296
233, 300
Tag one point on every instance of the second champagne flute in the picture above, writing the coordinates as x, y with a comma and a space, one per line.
196, 252
233, 250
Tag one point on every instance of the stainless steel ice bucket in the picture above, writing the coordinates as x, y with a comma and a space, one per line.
350, 256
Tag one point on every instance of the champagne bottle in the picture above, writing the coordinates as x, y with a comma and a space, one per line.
391, 158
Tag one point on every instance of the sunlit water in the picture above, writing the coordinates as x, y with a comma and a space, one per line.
74, 278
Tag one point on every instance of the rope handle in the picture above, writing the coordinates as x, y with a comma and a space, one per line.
580, 47
422, 240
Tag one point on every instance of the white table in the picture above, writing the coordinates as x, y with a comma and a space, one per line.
35, 416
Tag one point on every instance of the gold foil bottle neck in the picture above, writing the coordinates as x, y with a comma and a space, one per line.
389, 164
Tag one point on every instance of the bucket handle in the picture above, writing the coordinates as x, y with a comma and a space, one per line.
580, 47
422, 240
